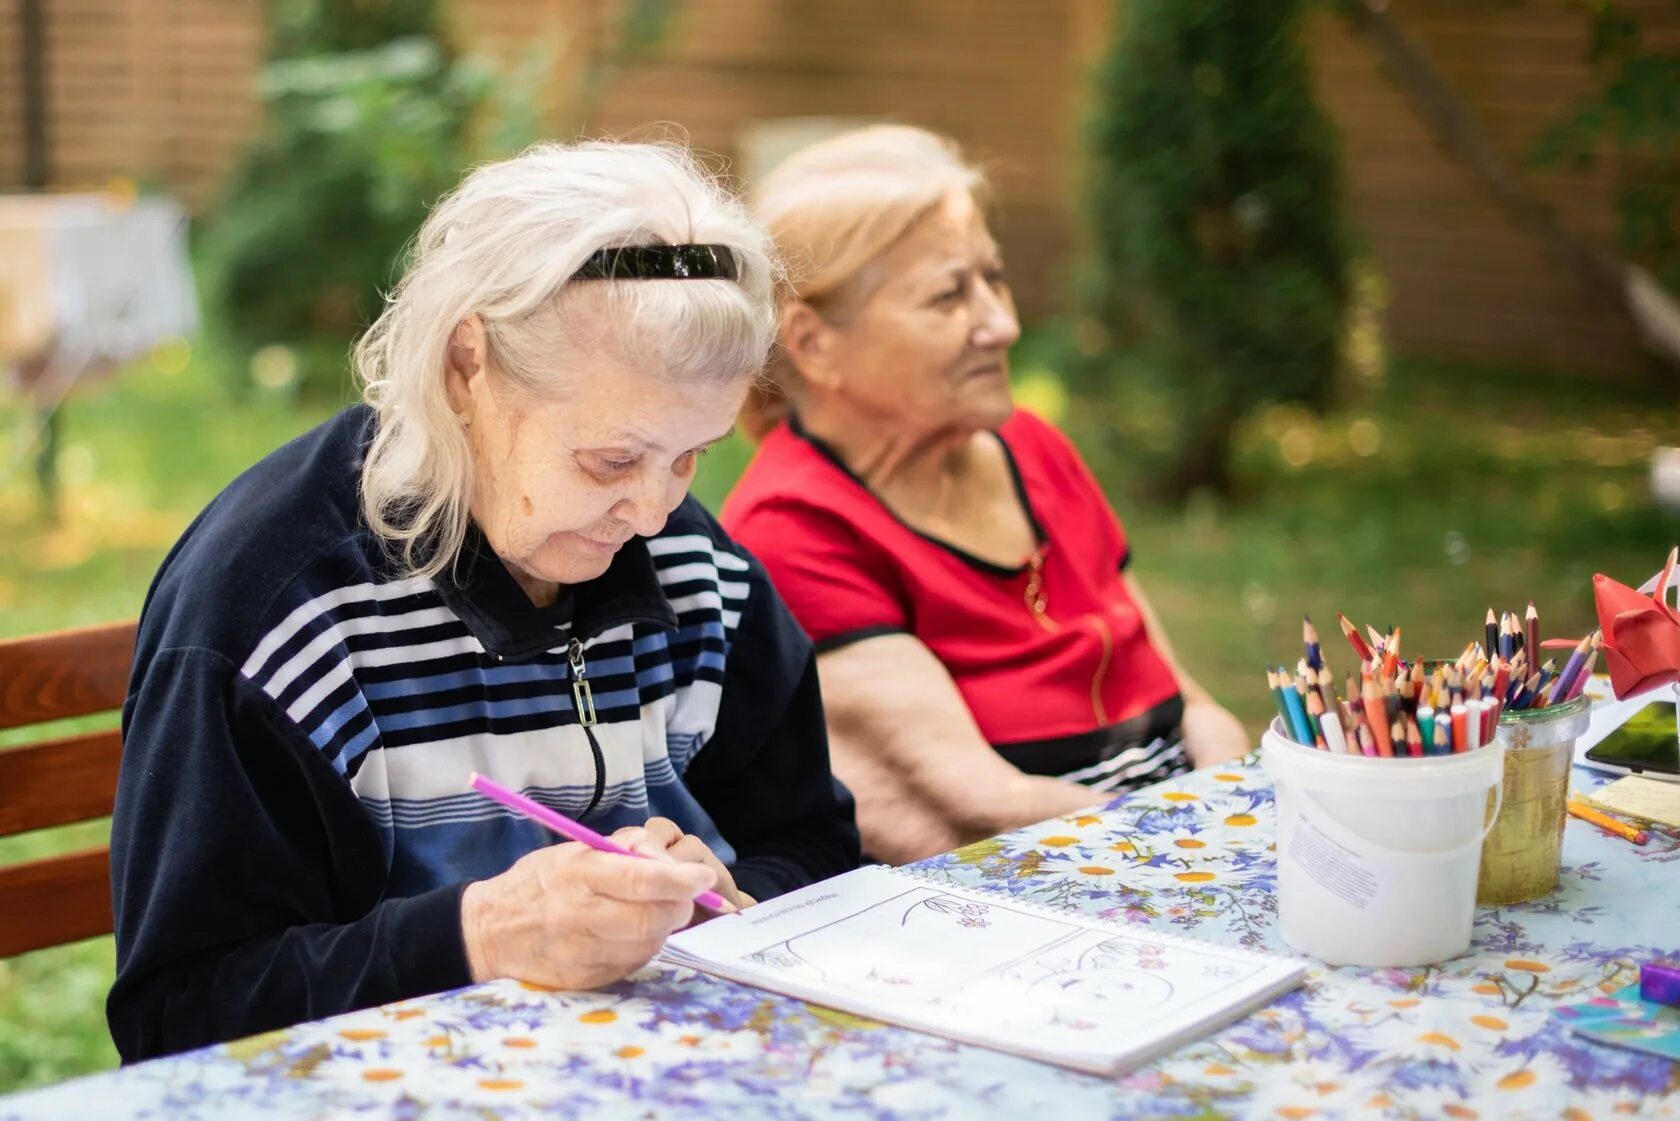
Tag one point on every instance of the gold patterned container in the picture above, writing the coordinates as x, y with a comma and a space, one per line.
1524, 850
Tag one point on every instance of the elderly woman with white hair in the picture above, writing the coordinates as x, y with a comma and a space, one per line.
491, 565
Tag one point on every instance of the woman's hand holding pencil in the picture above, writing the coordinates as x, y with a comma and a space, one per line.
662, 839
581, 915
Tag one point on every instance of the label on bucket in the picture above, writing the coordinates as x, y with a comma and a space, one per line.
1340, 870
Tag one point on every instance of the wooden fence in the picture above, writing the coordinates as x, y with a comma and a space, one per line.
164, 90
160, 91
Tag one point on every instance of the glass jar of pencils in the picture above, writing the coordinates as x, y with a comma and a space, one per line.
1524, 850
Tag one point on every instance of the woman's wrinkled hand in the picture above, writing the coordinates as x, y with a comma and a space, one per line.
570, 917
661, 837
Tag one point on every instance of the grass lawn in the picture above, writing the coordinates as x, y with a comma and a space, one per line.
139, 457
1452, 488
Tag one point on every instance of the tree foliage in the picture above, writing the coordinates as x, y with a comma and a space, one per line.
1633, 117
1212, 199
363, 132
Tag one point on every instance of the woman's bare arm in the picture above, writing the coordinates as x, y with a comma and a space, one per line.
903, 740
1211, 734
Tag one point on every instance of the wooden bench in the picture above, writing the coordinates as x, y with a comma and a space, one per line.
59, 781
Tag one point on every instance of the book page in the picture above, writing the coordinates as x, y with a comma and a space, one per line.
974, 967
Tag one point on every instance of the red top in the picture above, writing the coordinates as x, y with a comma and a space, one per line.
1051, 649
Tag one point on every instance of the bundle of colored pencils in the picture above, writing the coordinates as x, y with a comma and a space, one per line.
1397, 708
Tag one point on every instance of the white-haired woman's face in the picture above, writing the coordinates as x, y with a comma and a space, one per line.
931, 343
562, 481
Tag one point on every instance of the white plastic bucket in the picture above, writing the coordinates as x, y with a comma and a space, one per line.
1377, 857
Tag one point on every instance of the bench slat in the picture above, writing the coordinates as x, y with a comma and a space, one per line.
59, 899
67, 673
57, 782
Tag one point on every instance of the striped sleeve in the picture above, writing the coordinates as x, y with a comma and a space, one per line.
247, 879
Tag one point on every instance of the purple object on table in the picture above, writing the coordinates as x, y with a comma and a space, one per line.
1659, 981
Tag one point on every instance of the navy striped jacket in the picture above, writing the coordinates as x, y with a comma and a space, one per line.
293, 829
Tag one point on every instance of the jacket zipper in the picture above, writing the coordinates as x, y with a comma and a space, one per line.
584, 700
1038, 606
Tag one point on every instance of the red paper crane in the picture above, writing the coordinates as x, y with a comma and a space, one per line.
1641, 644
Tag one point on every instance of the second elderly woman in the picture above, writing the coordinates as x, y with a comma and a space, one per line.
987, 658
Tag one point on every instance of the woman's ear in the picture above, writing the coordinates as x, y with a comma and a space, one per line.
464, 364
809, 341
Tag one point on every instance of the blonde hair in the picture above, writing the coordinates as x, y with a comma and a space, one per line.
502, 246
832, 209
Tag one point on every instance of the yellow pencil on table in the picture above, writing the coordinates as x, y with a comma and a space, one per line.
1607, 823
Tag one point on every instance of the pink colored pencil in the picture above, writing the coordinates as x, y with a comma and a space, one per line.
570, 829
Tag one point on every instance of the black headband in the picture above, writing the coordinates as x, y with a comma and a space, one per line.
660, 262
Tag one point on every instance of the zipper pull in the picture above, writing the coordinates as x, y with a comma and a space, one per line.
582, 696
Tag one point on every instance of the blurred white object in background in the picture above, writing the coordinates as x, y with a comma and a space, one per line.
1665, 478
90, 281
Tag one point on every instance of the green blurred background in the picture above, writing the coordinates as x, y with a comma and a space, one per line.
1221, 356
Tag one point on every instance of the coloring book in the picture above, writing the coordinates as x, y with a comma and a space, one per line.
985, 969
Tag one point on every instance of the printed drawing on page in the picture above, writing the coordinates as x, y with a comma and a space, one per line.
999, 962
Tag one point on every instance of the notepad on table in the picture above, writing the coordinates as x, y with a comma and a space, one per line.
985, 969
1635, 796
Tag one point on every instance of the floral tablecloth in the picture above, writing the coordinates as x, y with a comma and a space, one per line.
1469, 1038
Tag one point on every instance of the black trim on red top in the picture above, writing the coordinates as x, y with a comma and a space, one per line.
1006, 572
1059, 755
836, 641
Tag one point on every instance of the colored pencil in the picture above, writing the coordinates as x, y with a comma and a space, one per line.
1316, 714
1327, 687
1333, 733
1309, 639
1297, 713
1443, 735
1414, 737
572, 830
1352, 633
1277, 698
1376, 715
1314, 706
1573, 666
1607, 823
1367, 742
1586, 670
1531, 624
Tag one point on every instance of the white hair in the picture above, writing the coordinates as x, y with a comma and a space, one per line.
502, 246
